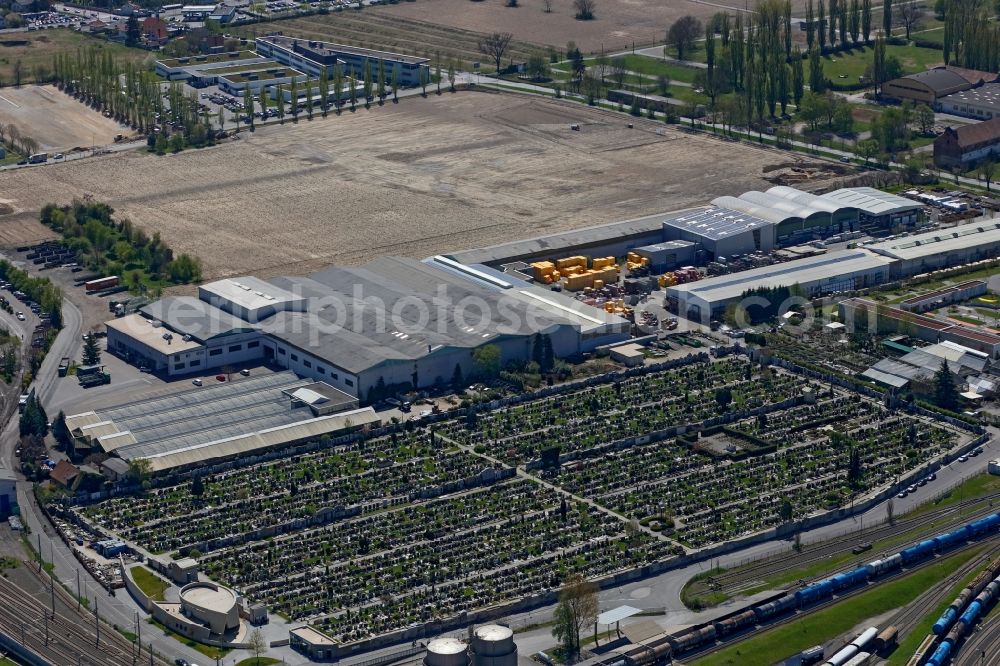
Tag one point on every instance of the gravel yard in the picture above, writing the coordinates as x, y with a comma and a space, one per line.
421, 177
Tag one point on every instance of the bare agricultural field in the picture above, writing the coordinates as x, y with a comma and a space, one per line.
414, 179
387, 31
57, 121
618, 24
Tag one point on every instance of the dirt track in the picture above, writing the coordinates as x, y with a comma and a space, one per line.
414, 179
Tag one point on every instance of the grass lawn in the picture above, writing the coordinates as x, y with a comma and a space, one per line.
968, 320
4, 661
977, 486
35, 50
821, 626
655, 67
10, 158
151, 584
852, 64
207, 650
261, 661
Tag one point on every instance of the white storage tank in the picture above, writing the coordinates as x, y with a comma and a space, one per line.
493, 645
447, 651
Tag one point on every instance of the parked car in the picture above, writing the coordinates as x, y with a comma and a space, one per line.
196, 382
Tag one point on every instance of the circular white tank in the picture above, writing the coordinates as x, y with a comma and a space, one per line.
493, 645
447, 652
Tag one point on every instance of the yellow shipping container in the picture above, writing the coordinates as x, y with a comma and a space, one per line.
603, 262
541, 268
566, 262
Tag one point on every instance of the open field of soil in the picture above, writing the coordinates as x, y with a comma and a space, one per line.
385, 30
57, 121
35, 51
421, 177
618, 24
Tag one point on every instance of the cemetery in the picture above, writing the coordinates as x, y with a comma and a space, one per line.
415, 523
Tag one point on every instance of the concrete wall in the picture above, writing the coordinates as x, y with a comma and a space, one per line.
22, 653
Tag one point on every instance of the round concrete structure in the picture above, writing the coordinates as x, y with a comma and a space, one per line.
447, 652
493, 645
212, 604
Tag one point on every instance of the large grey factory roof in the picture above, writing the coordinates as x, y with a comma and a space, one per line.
800, 271
807, 199
716, 223
554, 242
986, 94
872, 201
791, 208
752, 208
940, 241
190, 316
196, 419
395, 309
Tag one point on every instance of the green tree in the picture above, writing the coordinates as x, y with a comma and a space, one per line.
817, 82
294, 90
986, 171
381, 82
866, 20
486, 360
324, 92
265, 101
786, 510
810, 26
855, 469
61, 433
197, 486
798, 78
887, 18
821, 25
925, 119
395, 83
338, 86
91, 350
367, 82
683, 34
867, 149
132, 31
248, 105
945, 391
451, 77
280, 108
577, 609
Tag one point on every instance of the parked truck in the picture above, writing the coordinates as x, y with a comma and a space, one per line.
92, 375
64, 366
101, 283
38, 158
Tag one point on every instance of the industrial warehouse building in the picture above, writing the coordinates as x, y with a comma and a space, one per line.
961, 146
754, 221
982, 103
846, 270
368, 330
930, 86
843, 270
212, 423
941, 248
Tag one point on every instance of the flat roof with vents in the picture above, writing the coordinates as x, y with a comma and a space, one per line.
219, 421
716, 223
248, 296
940, 241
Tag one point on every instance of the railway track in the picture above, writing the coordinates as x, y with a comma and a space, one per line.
982, 648
940, 588
908, 618
735, 580
67, 638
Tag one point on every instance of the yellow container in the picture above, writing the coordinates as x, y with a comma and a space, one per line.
603, 262
542, 268
598, 284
